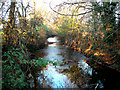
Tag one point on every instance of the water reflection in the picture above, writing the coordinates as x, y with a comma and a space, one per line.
68, 75
55, 79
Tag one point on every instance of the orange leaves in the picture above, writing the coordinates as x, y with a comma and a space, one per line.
85, 60
79, 49
97, 54
78, 42
66, 42
88, 48
91, 51
108, 27
102, 35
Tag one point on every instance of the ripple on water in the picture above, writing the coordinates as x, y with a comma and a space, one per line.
55, 79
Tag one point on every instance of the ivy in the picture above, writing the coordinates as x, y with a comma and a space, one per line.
13, 75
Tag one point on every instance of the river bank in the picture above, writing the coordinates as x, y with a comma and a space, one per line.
74, 67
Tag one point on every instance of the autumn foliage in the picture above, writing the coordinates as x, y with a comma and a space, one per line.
97, 36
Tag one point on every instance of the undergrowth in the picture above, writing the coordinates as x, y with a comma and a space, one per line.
16, 65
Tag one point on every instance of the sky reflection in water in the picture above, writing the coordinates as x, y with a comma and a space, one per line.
53, 78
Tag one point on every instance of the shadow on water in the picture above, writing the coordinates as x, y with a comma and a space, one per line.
74, 72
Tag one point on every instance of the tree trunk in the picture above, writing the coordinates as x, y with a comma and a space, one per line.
11, 21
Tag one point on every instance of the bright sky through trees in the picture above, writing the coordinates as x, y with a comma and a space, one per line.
43, 3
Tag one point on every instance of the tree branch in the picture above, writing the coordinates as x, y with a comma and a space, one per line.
68, 14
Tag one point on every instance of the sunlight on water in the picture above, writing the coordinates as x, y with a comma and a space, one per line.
66, 75
55, 79
52, 39
54, 44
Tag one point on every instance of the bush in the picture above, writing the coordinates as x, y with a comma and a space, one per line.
16, 66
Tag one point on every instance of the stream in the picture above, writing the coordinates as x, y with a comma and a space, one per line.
71, 72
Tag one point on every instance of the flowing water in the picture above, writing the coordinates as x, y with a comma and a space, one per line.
74, 72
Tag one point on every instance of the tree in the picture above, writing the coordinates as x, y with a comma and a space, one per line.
95, 31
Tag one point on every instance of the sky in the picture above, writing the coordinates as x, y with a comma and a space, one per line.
43, 3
